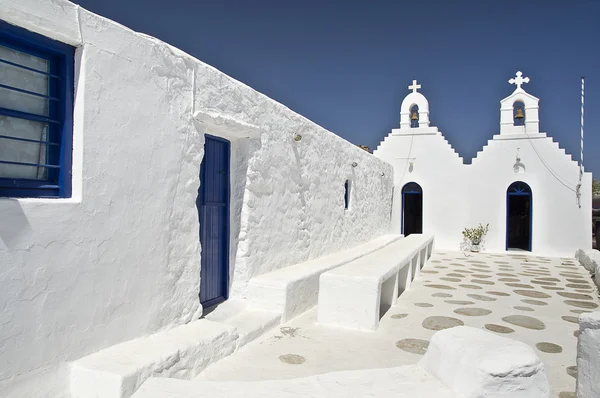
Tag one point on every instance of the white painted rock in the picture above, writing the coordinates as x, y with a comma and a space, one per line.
588, 356
590, 260
475, 364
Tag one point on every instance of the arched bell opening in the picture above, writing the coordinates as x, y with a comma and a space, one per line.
414, 116
519, 113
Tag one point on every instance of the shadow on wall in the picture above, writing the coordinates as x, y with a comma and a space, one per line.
14, 225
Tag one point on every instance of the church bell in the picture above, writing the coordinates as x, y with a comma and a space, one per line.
414, 116
519, 114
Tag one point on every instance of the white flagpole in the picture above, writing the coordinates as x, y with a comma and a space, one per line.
578, 191
581, 156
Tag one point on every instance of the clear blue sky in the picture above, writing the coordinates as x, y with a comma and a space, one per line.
346, 64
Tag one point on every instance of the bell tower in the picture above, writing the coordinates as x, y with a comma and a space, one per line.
414, 111
519, 112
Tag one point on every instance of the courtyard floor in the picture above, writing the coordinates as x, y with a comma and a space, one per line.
532, 299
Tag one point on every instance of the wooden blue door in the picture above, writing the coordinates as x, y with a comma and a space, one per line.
213, 212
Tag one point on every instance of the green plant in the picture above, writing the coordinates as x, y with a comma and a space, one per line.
595, 187
475, 235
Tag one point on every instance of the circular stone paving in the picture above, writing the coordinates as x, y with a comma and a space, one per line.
581, 304
550, 348
471, 286
428, 271
481, 276
415, 346
441, 295
441, 287
577, 286
525, 322
498, 294
292, 359
566, 394
534, 302
509, 280
498, 328
459, 302
549, 279
572, 371
480, 297
580, 311
523, 308
553, 287
506, 274
482, 282
519, 285
572, 319
445, 278
399, 316
423, 305
532, 293
472, 311
441, 322
576, 296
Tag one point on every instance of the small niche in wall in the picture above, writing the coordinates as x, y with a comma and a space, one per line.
347, 191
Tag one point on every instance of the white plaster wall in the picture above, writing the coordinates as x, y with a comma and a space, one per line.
456, 195
559, 226
121, 258
438, 169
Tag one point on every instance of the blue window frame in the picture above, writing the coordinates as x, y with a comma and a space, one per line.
36, 114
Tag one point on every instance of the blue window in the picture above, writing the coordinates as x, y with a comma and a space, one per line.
36, 114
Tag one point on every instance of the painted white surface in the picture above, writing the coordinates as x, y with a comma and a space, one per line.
588, 355
474, 363
456, 195
408, 381
357, 295
121, 258
181, 352
294, 290
590, 260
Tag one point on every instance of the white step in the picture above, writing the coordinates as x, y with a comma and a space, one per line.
402, 382
181, 352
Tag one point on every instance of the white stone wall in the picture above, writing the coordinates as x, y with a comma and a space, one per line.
457, 195
122, 258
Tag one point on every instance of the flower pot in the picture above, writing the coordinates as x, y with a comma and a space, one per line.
475, 247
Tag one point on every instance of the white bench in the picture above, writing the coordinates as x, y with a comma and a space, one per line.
293, 290
356, 295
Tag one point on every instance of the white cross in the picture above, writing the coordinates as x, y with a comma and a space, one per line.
414, 87
519, 80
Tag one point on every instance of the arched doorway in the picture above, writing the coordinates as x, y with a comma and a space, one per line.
518, 216
412, 209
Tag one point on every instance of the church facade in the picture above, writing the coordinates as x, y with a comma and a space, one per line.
521, 183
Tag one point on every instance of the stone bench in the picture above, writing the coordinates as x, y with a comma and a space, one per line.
474, 363
356, 295
293, 290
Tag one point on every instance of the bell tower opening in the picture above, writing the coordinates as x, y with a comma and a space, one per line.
519, 113
414, 116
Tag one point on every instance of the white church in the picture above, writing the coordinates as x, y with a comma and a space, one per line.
521, 183
141, 188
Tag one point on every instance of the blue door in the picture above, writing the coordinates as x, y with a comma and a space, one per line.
412, 209
213, 214
518, 216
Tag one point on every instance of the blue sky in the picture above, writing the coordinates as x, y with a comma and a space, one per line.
346, 64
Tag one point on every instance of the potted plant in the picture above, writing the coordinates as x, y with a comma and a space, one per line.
475, 236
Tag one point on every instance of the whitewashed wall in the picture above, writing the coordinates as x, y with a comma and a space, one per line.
122, 257
456, 195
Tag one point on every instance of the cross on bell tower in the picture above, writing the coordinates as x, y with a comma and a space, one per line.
519, 80
414, 87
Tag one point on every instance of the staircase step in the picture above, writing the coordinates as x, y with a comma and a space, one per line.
181, 352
